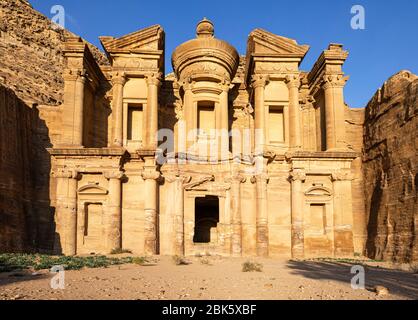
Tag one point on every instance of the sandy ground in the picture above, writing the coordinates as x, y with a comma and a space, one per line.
222, 279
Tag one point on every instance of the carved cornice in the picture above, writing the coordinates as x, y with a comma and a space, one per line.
297, 175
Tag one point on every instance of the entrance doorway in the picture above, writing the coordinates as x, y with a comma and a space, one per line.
206, 218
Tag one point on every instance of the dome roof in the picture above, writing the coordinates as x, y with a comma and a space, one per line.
205, 56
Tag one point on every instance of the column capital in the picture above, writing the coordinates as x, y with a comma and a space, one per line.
187, 84
113, 174
236, 178
334, 81
150, 174
66, 173
263, 177
259, 80
75, 75
297, 175
154, 78
293, 81
119, 78
342, 175
225, 85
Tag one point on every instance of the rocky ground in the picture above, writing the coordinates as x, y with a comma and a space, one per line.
214, 278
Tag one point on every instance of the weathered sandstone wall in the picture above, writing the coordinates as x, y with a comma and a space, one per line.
16, 175
31, 67
354, 130
390, 167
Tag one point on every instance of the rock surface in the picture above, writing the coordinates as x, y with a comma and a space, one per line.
31, 51
31, 67
390, 167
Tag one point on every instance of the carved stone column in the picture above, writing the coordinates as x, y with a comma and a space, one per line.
73, 112
334, 111
259, 83
118, 81
293, 83
297, 178
79, 109
224, 125
150, 175
67, 209
154, 83
262, 232
343, 213
189, 113
236, 243
178, 182
113, 214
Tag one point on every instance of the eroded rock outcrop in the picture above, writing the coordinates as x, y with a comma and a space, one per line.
390, 169
32, 61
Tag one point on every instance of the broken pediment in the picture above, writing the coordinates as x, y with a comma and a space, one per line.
262, 42
148, 39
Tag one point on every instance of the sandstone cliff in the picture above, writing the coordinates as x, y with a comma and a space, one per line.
390, 167
31, 61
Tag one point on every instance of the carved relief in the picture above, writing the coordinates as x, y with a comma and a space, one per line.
259, 80
298, 175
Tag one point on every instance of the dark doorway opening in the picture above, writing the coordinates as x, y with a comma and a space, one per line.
206, 218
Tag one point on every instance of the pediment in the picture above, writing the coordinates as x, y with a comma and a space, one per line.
149, 39
317, 191
262, 42
200, 183
92, 189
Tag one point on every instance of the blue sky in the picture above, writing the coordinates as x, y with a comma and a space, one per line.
387, 45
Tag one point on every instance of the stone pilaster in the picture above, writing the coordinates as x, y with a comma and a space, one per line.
178, 182
295, 138
189, 113
66, 210
154, 83
259, 83
262, 233
118, 81
223, 127
113, 214
236, 242
343, 213
333, 86
297, 178
73, 113
150, 175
